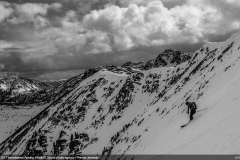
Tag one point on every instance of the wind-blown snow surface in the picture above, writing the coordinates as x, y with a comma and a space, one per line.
11, 118
124, 112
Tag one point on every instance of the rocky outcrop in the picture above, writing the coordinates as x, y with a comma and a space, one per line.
168, 58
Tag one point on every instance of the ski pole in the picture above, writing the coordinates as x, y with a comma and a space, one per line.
202, 110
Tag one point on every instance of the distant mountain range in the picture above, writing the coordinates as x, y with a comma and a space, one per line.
18, 85
17, 90
21, 91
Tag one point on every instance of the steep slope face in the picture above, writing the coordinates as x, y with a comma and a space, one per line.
173, 58
21, 91
12, 118
168, 58
16, 90
121, 111
95, 90
70, 84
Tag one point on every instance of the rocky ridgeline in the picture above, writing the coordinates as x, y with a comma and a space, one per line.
21, 91
168, 58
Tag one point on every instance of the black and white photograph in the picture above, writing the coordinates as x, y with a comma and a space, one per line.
120, 79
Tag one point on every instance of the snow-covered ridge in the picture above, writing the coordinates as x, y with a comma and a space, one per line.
14, 90
20, 85
123, 111
168, 58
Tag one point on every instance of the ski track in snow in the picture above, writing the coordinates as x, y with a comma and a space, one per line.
185, 143
199, 135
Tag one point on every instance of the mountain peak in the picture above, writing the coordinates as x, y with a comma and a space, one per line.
11, 78
14, 87
168, 51
173, 57
169, 58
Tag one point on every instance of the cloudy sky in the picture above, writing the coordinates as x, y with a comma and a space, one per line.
42, 36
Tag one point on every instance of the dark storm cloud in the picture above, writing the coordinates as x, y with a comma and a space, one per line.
173, 3
43, 35
13, 62
81, 6
220, 38
20, 32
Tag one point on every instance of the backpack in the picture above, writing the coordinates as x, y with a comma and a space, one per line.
193, 106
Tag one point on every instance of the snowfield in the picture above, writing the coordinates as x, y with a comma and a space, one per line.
11, 118
119, 111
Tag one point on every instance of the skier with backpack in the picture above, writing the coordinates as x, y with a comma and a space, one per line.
192, 107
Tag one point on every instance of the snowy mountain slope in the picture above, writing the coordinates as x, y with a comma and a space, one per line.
20, 100
18, 91
120, 111
11, 118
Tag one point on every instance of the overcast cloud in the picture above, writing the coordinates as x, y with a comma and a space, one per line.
41, 35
